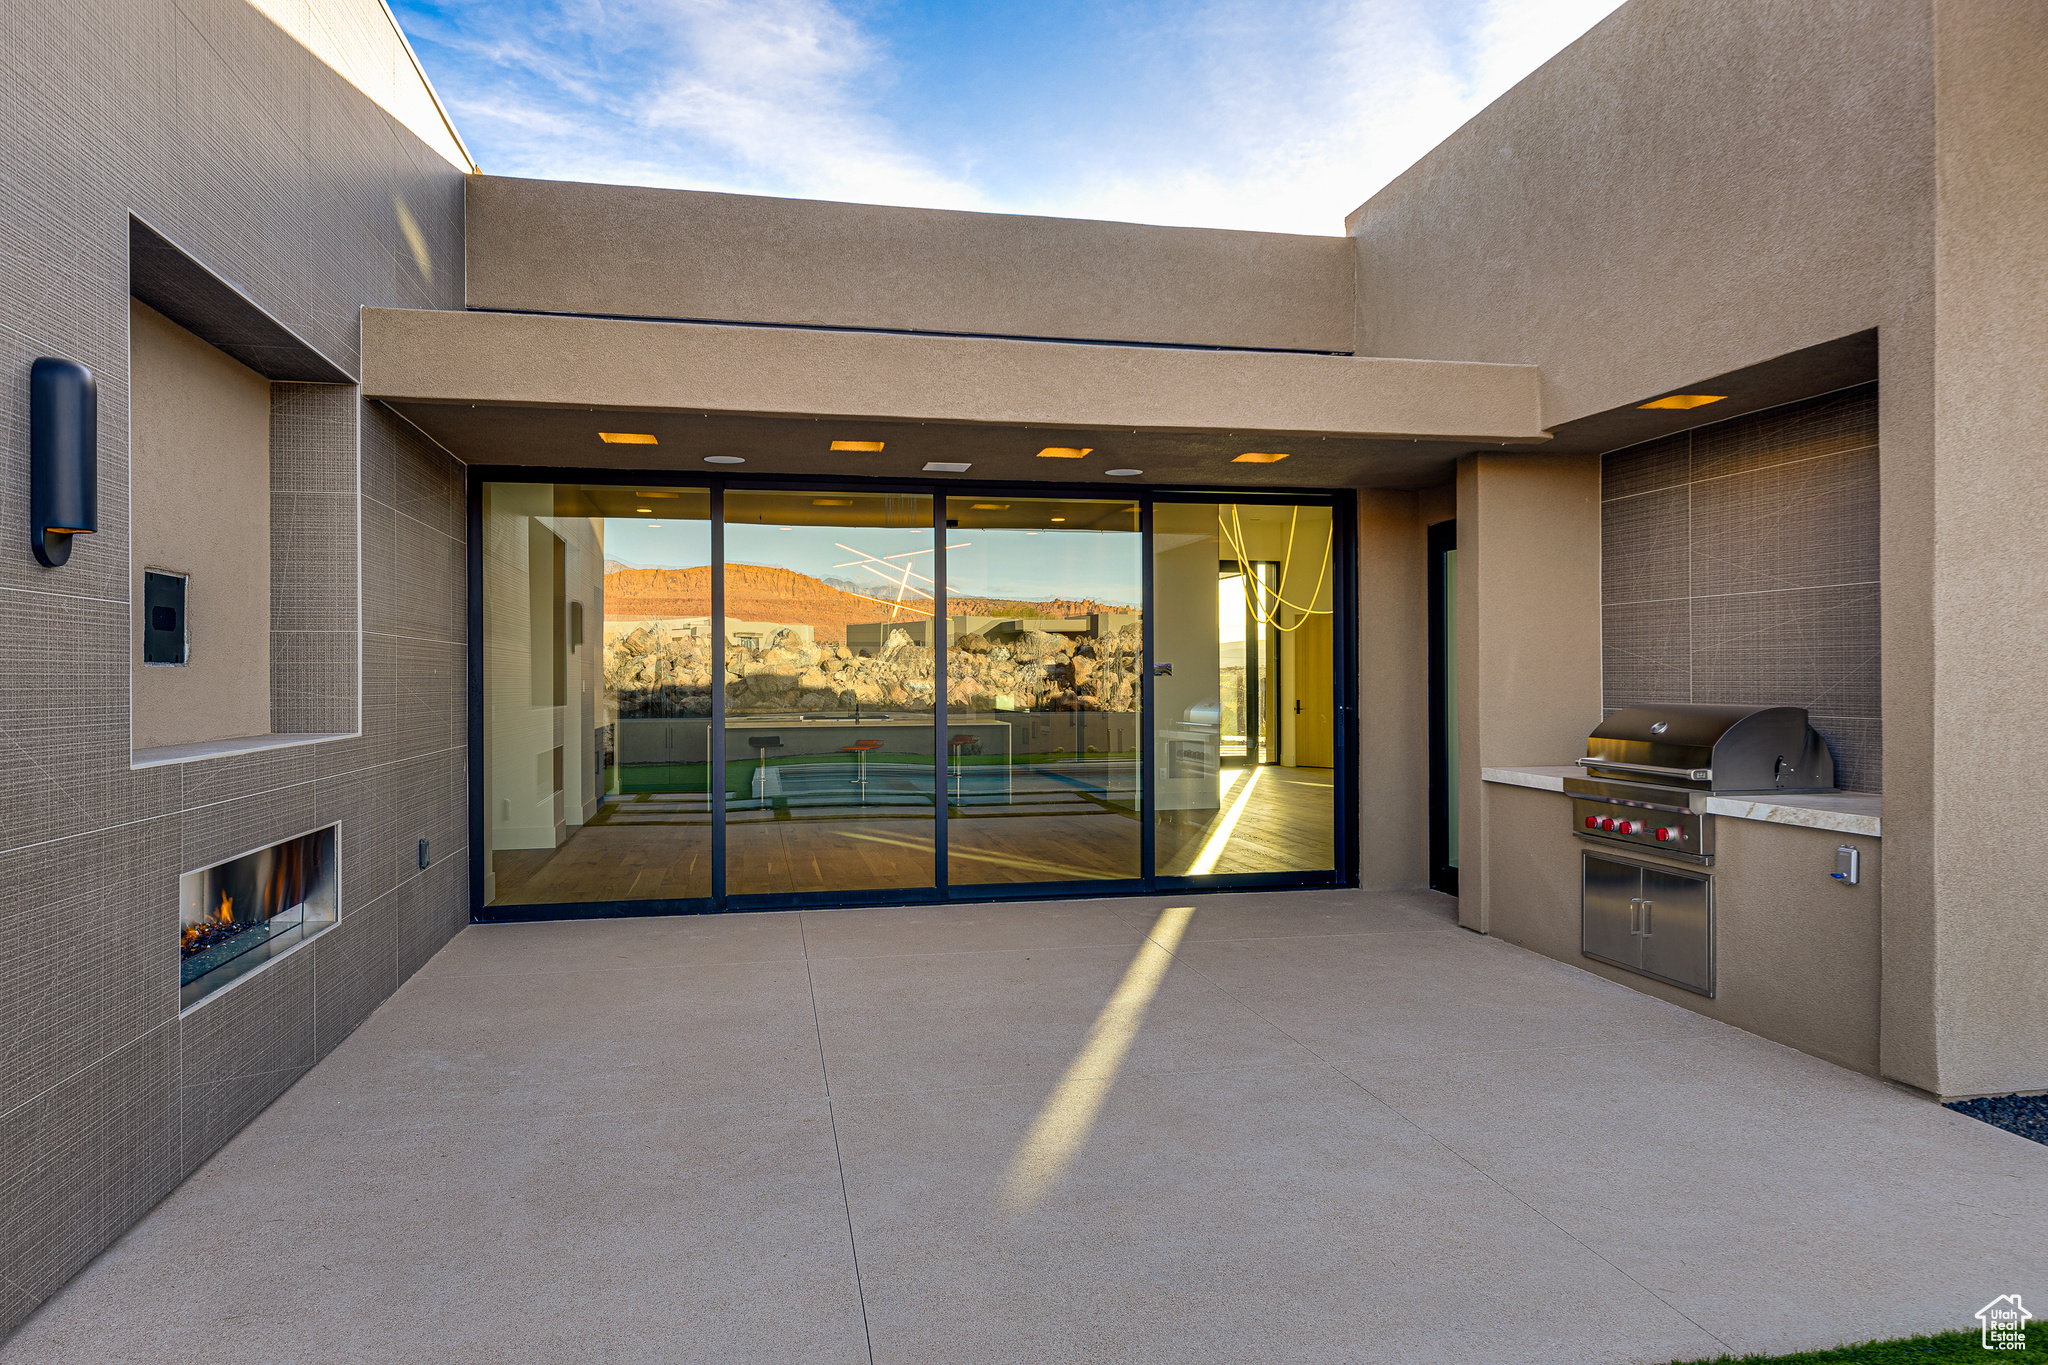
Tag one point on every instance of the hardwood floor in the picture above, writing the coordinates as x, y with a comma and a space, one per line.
1040, 825
1286, 823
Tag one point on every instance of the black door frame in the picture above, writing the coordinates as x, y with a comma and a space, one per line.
1344, 560
1443, 538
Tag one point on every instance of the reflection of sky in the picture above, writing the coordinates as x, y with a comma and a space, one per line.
657, 545
1025, 565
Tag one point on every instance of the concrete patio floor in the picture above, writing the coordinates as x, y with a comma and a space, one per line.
1347, 1130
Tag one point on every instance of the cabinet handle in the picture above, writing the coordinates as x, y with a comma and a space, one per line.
1647, 906
1635, 910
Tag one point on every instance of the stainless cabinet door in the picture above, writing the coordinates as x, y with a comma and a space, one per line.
1608, 892
1677, 924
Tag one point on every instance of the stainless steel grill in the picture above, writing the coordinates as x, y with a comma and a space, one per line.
1647, 769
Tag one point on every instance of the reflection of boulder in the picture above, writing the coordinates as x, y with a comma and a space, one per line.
651, 672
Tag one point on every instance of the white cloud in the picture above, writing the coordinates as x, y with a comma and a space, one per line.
1291, 140
778, 85
1228, 113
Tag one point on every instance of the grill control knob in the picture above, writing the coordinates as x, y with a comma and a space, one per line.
1606, 824
1627, 827
1592, 822
1669, 835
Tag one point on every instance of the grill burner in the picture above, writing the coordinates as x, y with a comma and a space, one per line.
1648, 766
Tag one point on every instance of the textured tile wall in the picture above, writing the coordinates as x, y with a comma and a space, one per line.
315, 588
1739, 565
206, 121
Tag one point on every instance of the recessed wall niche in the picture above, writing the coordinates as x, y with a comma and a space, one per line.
243, 487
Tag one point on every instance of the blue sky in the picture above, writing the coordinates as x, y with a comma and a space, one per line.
1280, 116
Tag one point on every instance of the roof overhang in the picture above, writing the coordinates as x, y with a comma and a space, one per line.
714, 383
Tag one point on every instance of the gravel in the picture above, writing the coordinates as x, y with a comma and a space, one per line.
2026, 1115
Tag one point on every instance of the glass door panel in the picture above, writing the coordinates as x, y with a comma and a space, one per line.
596, 693
1244, 728
831, 756
1045, 642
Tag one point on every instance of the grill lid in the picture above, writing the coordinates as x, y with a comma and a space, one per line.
1712, 748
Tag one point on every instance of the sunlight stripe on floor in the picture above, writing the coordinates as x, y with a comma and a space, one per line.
1068, 1115
1219, 838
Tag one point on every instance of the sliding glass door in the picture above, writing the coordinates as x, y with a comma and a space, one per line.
1246, 727
596, 652
698, 697
829, 715
1045, 651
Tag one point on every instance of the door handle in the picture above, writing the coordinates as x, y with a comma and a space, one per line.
1297, 706
1648, 905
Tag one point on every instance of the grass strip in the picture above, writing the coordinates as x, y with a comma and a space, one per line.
1939, 1349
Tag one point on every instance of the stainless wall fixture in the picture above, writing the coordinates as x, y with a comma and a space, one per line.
63, 481
1658, 921
1649, 771
1648, 768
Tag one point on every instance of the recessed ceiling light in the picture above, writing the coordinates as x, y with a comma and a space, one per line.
1261, 457
988, 507
654, 493
831, 502
1064, 452
643, 509
627, 438
1059, 518
654, 526
942, 467
1681, 401
857, 445
723, 459
1122, 473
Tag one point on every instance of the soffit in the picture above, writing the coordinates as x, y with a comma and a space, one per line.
567, 438
1839, 364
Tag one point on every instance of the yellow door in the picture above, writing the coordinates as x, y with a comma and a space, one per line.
1315, 744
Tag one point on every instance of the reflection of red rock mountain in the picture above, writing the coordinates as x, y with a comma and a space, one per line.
754, 592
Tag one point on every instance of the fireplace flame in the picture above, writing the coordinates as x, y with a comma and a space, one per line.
195, 938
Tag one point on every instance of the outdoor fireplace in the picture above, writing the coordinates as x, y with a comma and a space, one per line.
237, 915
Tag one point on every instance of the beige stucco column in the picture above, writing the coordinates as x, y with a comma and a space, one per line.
1528, 631
1393, 691
1966, 961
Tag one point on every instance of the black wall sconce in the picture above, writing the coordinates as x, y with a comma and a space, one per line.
64, 461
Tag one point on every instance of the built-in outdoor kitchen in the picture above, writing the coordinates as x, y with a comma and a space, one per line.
1717, 840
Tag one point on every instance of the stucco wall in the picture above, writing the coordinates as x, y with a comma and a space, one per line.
624, 251
199, 504
1692, 187
1695, 186
1393, 689
1528, 634
1986, 950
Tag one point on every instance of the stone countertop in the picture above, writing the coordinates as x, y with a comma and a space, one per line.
1839, 812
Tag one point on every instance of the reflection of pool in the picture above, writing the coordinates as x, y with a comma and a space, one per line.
788, 785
